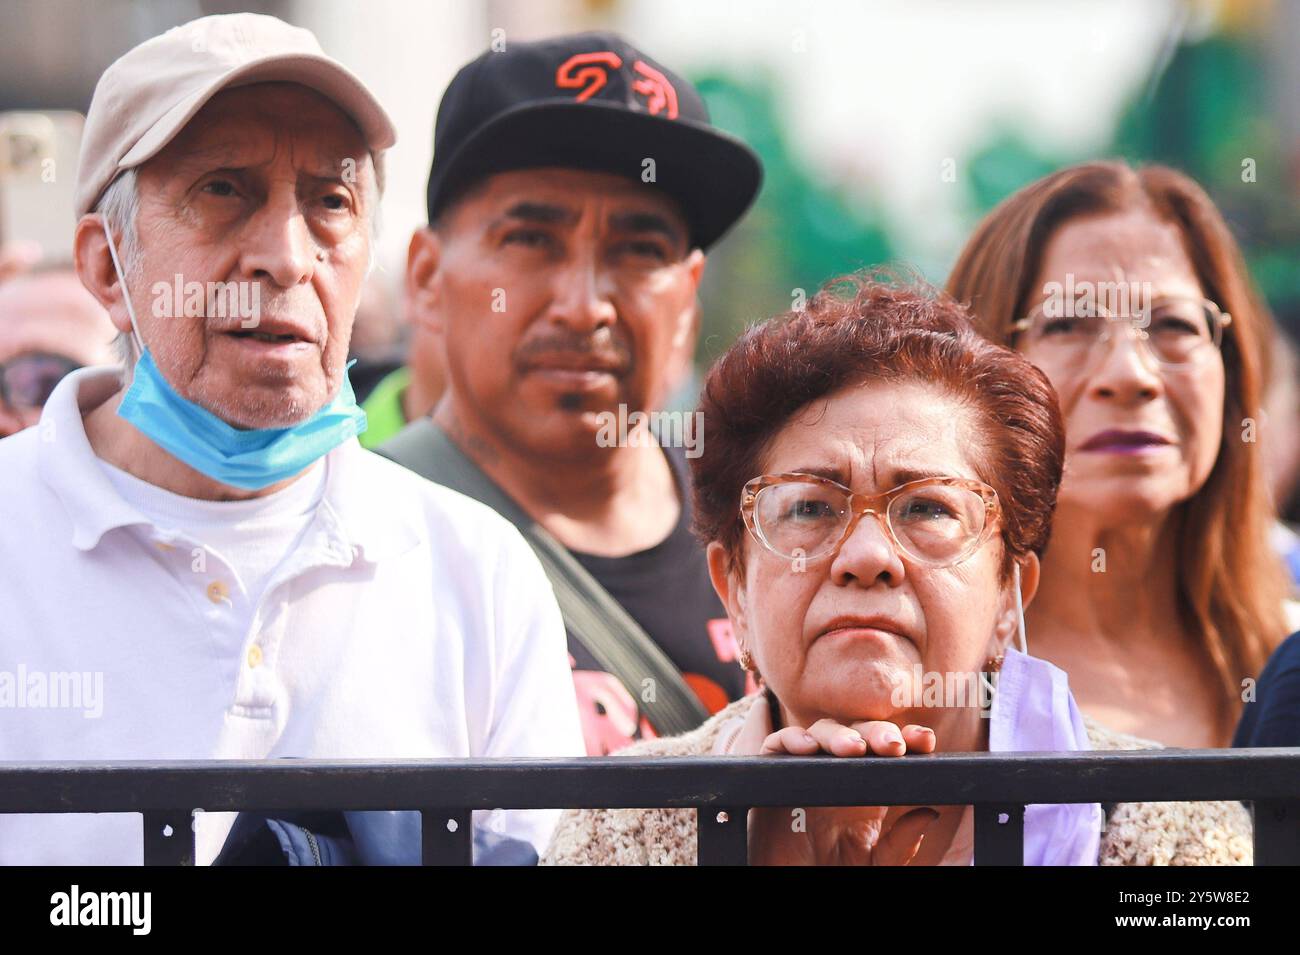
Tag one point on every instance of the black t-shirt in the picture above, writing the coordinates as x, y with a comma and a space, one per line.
665, 589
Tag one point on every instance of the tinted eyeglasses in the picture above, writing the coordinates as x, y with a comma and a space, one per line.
1175, 331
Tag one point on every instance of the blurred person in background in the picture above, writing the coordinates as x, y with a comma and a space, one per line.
199, 531
379, 324
376, 347
18, 257
1281, 449
410, 390
1271, 716
49, 326
576, 186
1161, 595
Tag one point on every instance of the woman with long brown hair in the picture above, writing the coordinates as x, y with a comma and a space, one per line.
1160, 594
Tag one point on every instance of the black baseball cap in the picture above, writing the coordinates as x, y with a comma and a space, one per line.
590, 101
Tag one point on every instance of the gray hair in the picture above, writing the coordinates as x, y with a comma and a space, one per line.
120, 206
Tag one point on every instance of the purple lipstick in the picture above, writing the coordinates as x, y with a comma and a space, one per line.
1123, 441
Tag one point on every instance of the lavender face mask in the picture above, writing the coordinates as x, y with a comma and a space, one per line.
1034, 711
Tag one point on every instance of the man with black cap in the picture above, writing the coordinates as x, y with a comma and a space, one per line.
576, 184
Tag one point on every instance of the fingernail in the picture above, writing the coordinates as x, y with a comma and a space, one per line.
807, 738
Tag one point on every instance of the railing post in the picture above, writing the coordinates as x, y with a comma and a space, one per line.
1277, 832
1000, 834
168, 837
446, 837
723, 836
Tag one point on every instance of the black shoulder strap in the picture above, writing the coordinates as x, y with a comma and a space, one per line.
596, 619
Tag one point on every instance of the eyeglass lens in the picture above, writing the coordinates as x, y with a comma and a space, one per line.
932, 523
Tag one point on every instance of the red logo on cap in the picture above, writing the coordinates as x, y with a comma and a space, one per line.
588, 72
580, 70
656, 89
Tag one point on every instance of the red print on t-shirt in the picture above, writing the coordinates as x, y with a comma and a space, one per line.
611, 717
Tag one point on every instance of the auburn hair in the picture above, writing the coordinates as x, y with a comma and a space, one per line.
872, 328
1229, 582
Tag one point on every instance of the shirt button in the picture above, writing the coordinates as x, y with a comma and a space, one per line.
217, 592
254, 656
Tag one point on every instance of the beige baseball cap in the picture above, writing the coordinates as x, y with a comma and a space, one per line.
148, 95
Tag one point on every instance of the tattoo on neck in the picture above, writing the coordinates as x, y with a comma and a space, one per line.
479, 448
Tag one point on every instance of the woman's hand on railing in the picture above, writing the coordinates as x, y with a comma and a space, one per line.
874, 737
861, 835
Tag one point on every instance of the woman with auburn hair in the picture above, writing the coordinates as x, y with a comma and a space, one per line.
875, 491
1160, 595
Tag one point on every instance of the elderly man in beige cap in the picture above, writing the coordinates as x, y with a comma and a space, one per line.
197, 559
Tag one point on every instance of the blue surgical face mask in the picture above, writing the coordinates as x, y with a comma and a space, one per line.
250, 459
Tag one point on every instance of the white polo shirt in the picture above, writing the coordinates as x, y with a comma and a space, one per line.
409, 621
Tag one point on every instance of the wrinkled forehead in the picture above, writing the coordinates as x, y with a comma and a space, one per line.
1133, 246
874, 437
266, 124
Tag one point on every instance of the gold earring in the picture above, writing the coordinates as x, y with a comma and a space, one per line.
746, 661
994, 664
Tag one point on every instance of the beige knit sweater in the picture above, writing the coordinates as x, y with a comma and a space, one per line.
1149, 833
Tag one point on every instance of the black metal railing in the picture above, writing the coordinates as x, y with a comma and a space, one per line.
720, 789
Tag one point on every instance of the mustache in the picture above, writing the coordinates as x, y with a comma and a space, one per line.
604, 348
